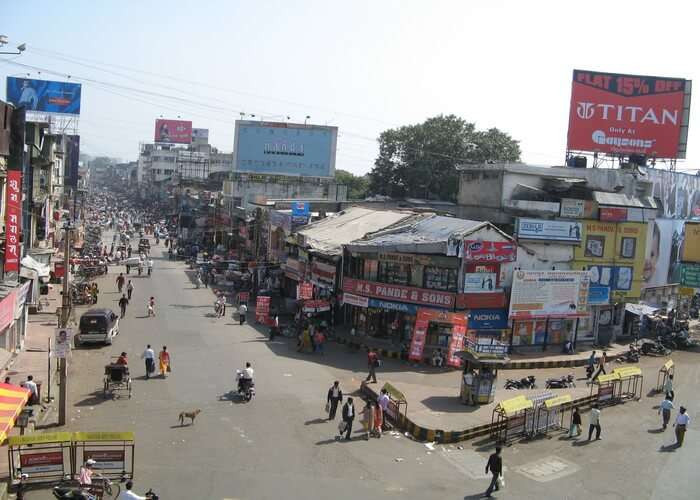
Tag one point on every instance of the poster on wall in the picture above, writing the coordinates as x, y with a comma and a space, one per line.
691, 242
663, 252
480, 282
489, 251
539, 294
549, 230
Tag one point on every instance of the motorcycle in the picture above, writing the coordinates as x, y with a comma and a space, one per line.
246, 387
631, 356
654, 348
218, 308
524, 383
563, 382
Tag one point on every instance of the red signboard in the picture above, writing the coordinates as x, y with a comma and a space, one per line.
173, 131
7, 310
13, 220
626, 114
306, 290
613, 214
45, 461
243, 297
262, 309
493, 300
423, 318
420, 330
456, 345
399, 293
311, 306
489, 251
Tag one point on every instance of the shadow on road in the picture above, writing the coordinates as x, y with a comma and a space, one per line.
668, 448
93, 399
660, 430
447, 404
582, 442
316, 421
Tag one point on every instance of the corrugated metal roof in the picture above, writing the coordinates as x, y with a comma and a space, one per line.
330, 234
623, 200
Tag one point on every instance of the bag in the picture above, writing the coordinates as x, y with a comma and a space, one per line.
328, 407
342, 426
377, 363
501, 482
169, 369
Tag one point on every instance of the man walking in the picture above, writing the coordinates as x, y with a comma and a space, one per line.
372, 363
590, 367
495, 467
242, 311
348, 417
120, 282
594, 422
335, 396
681, 425
668, 387
129, 289
149, 357
665, 410
123, 302
383, 402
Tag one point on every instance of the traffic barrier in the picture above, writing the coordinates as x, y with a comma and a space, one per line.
668, 369
630, 383
509, 418
550, 415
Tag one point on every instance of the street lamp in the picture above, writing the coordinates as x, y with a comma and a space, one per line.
20, 48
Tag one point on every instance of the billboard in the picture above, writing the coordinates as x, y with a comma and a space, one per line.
13, 220
73, 161
549, 230
480, 282
200, 135
691, 242
663, 253
285, 148
173, 131
628, 114
489, 251
44, 95
542, 294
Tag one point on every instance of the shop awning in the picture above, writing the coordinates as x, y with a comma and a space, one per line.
41, 269
512, 406
641, 309
12, 400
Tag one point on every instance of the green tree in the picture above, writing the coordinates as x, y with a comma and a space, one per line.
357, 184
420, 160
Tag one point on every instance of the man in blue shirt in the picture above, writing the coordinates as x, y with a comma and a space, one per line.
665, 410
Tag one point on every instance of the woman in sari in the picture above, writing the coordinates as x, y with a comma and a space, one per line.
378, 419
164, 358
368, 419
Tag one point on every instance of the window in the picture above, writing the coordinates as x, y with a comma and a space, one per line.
438, 278
394, 273
595, 246
628, 247
370, 270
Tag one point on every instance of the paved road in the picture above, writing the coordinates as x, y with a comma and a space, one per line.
276, 447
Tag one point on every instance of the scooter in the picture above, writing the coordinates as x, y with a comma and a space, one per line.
246, 387
218, 309
564, 382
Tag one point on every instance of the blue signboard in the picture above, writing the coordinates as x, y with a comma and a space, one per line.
598, 295
44, 95
615, 277
488, 319
393, 306
285, 148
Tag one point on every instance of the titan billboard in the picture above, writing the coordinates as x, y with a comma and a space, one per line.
285, 148
173, 131
628, 114
44, 95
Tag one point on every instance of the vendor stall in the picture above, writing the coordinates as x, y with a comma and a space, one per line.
479, 376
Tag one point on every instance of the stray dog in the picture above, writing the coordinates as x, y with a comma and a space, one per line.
189, 414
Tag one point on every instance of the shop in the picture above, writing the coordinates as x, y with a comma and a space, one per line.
438, 333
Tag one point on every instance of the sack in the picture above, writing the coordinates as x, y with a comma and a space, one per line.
328, 407
501, 482
169, 369
342, 426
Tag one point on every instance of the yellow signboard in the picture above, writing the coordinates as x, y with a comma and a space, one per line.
610, 377
691, 242
514, 405
43, 438
103, 436
558, 401
628, 371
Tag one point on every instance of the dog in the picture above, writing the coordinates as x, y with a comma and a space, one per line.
189, 414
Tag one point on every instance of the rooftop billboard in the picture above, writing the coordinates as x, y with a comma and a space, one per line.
173, 131
285, 148
628, 114
44, 95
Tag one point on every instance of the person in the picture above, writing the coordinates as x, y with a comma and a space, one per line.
123, 302
242, 311
668, 387
495, 467
681, 425
368, 419
319, 340
594, 422
575, 423
590, 367
33, 389
383, 402
246, 377
151, 307
335, 396
120, 282
8, 380
378, 419
372, 363
29, 97
304, 340
150, 266
568, 347
127, 494
204, 278
164, 362
665, 411
94, 292
149, 357
129, 289
122, 359
438, 358
86, 473
140, 267
603, 361
348, 417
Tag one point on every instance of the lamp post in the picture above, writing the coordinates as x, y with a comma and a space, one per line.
65, 315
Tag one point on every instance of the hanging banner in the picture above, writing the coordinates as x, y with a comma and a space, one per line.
489, 251
13, 217
456, 345
306, 291
415, 351
355, 300
262, 309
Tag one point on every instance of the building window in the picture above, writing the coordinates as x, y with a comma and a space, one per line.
628, 248
595, 246
438, 278
394, 273
370, 270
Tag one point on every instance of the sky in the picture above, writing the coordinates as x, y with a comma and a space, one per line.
364, 66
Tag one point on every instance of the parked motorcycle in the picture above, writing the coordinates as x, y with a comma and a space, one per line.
524, 383
563, 382
654, 348
631, 356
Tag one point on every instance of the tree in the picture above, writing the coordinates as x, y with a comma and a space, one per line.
357, 184
420, 160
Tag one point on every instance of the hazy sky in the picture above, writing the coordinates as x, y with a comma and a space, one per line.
363, 66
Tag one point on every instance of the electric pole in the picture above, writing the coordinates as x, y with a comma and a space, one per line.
65, 315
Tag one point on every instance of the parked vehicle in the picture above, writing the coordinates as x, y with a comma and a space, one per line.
524, 383
97, 326
563, 382
654, 348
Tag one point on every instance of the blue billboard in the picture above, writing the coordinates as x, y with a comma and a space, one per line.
285, 149
44, 95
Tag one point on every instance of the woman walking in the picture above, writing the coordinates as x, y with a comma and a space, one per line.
164, 359
378, 419
368, 419
151, 307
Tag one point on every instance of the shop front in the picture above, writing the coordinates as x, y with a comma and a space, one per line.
438, 333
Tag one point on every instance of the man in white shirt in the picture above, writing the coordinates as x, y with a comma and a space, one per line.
681, 425
127, 494
33, 389
149, 357
594, 422
242, 311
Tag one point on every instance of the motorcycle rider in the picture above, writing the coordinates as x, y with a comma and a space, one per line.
246, 378
220, 306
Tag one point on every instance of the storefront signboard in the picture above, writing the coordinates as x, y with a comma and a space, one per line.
480, 282
489, 251
423, 318
311, 306
690, 275
394, 306
355, 300
549, 230
488, 319
323, 272
613, 214
44, 461
572, 208
399, 293
306, 291
541, 294
492, 300
598, 295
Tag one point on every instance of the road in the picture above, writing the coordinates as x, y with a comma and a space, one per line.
278, 447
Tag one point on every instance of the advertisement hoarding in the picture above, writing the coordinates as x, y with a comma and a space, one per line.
690, 275
13, 220
200, 135
285, 148
691, 242
173, 131
627, 114
572, 208
44, 95
488, 319
598, 295
479, 282
613, 214
489, 251
106, 459
541, 294
548, 230
43, 461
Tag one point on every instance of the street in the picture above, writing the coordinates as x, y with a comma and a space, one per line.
278, 446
